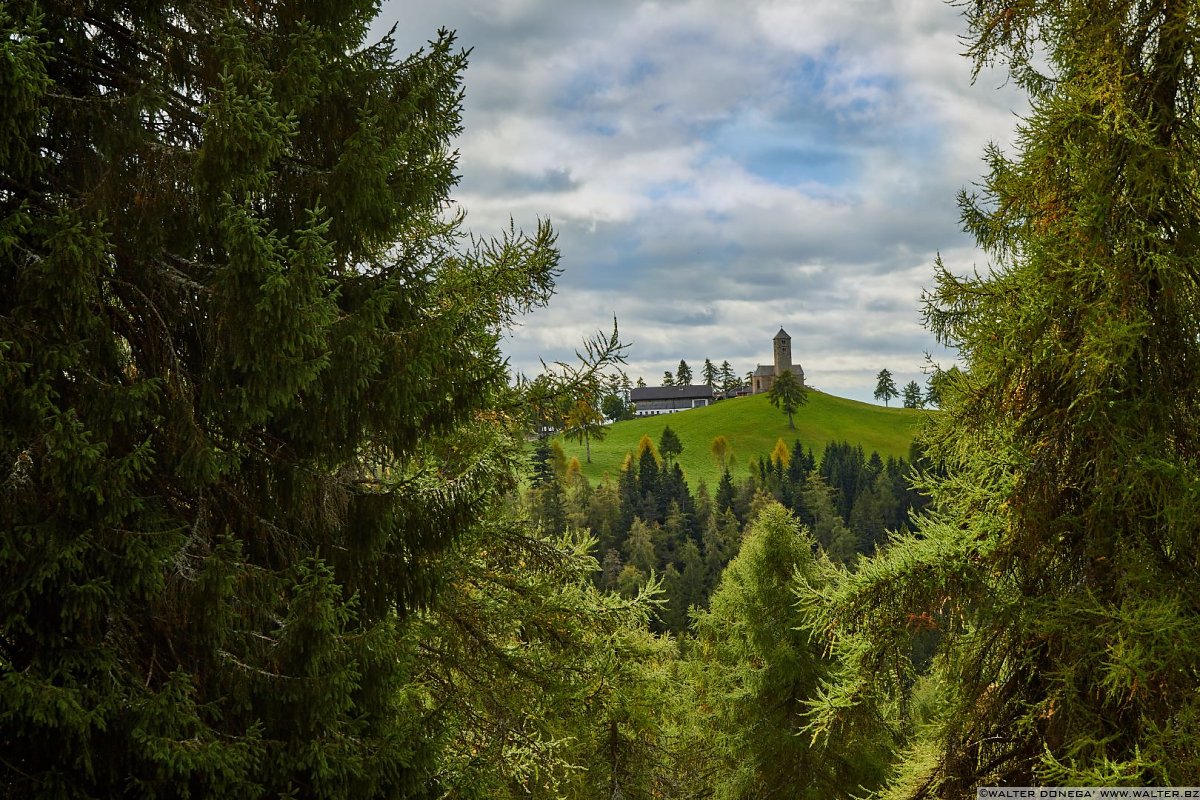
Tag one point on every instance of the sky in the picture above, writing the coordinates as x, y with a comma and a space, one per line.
718, 170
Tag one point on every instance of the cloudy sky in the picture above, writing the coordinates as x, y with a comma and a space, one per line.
716, 170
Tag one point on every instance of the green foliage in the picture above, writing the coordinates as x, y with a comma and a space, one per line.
757, 664
584, 423
527, 667
571, 392
1059, 565
244, 351
885, 386
615, 408
710, 373
912, 395
683, 374
751, 426
729, 379
669, 444
720, 451
787, 394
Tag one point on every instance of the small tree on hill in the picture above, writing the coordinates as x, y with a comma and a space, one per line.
787, 394
668, 378
710, 373
885, 386
912, 395
669, 445
583, 423
721, 451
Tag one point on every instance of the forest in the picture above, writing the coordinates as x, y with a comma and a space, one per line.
270, 527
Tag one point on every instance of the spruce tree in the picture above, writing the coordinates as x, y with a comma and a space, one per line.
759, 665
912, 395
683, 374
669, 445
1059, 563
250, 390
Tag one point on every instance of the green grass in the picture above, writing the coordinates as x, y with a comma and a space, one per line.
752, 426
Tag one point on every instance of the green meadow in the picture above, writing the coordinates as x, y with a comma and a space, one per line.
752, 426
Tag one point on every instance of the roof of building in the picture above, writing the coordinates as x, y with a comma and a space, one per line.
764, 370
782, 335
671, 392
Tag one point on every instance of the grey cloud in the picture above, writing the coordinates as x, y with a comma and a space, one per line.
860, 128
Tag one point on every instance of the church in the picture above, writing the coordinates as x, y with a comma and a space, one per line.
763, 378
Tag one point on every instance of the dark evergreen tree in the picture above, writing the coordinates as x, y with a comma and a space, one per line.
710, 373
683, 374
243, 363
541, 465
725, 492
728, 377
912, 395
669, 445
885, 386
650, 489
759, 665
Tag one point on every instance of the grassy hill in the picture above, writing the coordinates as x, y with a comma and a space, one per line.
752, 425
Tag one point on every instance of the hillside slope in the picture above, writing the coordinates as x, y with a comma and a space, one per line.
752, 426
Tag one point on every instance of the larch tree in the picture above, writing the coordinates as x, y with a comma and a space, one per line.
885, 386
250, 389
583, 423
1059, 565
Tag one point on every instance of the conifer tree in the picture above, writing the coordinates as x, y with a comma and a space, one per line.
728, 378
669, 445
1059, 563
244, 354
683, 374
912, 395
759, 665
709, 372
885, 386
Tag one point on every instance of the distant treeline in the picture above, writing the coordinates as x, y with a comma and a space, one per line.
648, 522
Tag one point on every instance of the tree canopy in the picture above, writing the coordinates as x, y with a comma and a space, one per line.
683, 374
251, 389
912, 395
885, 386
1058, 567
788, 394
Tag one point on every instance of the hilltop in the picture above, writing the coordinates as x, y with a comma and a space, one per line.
752, 426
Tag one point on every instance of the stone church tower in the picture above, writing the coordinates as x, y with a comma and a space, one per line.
764, 377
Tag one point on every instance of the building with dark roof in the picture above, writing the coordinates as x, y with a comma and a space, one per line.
763, 378
651, 400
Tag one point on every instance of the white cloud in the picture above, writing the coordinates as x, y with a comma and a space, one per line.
714, 175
